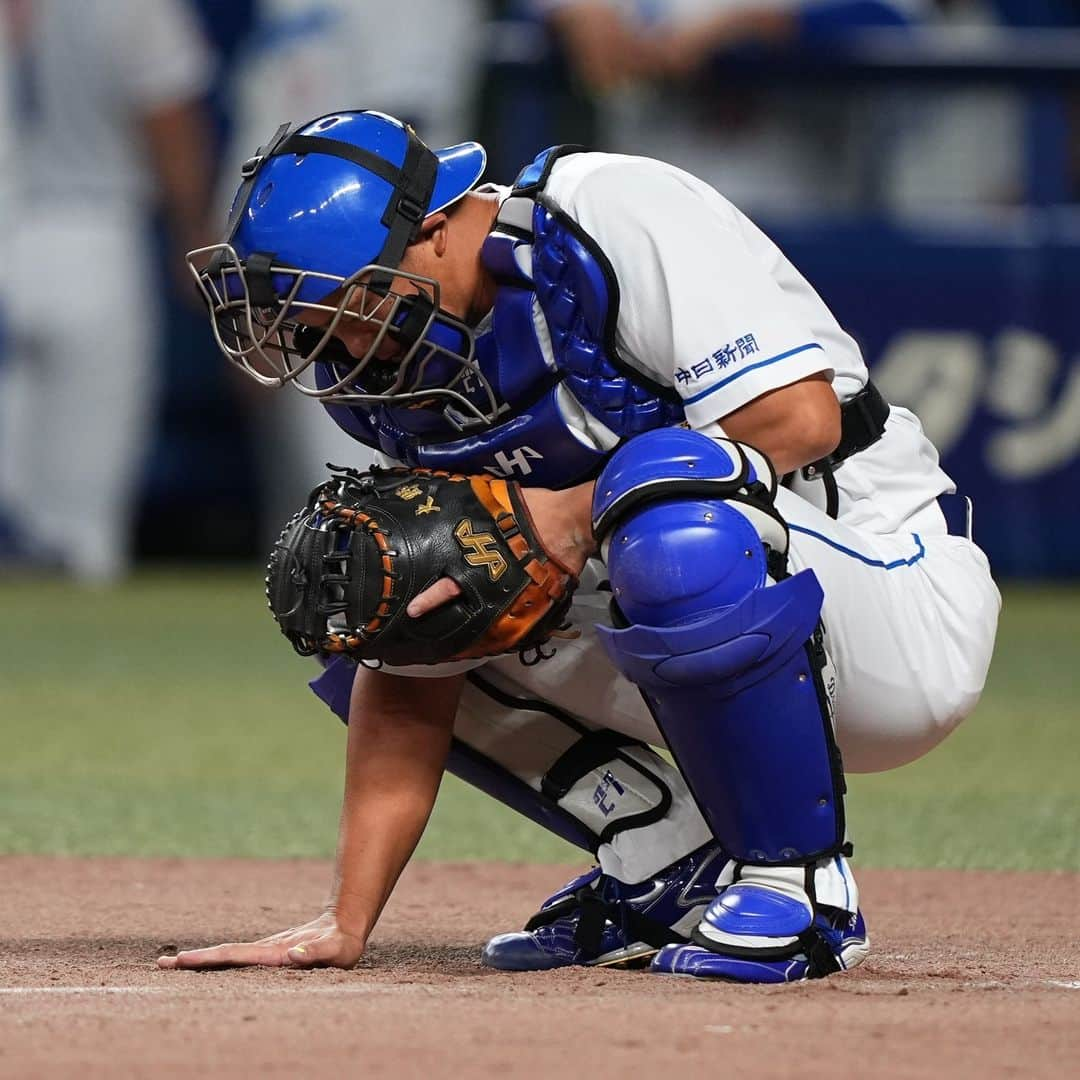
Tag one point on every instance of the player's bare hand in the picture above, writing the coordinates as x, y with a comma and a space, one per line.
564, 524
682, 49
319, 943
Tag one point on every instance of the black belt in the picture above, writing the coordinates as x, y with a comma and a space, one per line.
862, 423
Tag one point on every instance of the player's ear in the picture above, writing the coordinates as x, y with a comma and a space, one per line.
435, 231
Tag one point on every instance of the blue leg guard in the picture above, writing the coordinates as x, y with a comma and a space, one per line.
728, 651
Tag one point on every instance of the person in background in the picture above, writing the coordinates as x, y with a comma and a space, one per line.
959, 147
9, 549
111, 122
775, 151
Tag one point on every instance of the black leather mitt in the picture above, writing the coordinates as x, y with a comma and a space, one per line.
348, 563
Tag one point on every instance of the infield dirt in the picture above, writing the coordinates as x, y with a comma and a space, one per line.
971, 974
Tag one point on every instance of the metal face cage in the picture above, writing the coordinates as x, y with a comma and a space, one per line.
416, 355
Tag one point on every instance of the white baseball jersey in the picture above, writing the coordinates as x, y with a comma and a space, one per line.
94, 66
710, 305
8, 158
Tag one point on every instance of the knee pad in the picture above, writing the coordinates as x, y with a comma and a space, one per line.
726, 646
701, 531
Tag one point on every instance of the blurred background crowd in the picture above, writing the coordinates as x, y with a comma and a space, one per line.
918, 159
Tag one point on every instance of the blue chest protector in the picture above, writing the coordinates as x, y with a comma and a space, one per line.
566, 398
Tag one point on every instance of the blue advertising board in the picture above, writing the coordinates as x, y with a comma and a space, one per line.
975, 326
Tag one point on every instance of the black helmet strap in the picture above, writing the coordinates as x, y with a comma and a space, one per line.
249, 171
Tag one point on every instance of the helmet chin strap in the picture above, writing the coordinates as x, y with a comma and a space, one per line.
418, 311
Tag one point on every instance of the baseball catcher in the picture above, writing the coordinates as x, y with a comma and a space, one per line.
775, 582
347, 565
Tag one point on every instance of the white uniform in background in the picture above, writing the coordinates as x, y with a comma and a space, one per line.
308, 57
8, 190
78, 397
961, 146
8, 157
783, 151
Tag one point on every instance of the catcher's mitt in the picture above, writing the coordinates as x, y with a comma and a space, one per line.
348, 563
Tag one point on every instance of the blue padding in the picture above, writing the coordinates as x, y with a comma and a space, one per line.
535, 447
334, 687
665, 458
727, 660
751, 910
736, 698
534, 170
713, 549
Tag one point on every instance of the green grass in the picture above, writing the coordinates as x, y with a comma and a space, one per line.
168, 717
1003, 791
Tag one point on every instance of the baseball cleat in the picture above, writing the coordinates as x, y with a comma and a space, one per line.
596, 920
753, 934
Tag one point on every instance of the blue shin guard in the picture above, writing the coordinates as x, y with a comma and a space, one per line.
727, 649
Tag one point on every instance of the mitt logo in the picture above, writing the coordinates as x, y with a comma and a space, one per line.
409, 491
428, 507
480, 549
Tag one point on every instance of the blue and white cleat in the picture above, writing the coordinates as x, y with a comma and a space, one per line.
596, 920
756, 934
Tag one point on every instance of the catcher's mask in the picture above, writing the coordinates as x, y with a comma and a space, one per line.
312, 255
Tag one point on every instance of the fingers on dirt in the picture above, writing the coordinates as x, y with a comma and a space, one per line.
227, 956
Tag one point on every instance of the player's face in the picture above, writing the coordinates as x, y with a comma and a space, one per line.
364, 313
358, 327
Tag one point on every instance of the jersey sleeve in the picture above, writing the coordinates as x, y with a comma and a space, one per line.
699, 310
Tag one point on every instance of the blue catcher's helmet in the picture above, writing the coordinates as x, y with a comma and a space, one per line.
316, 235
